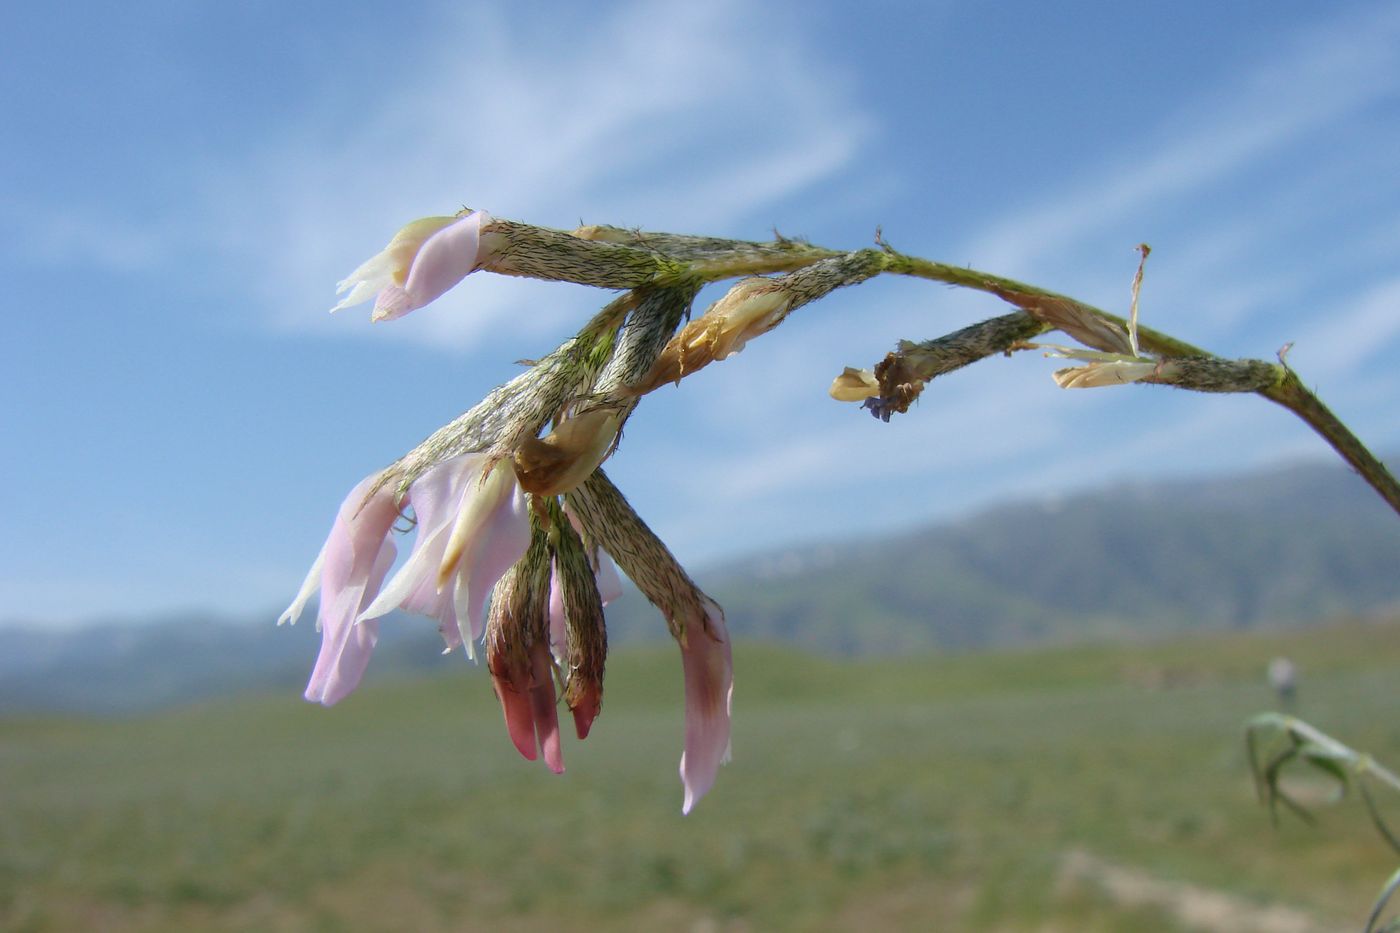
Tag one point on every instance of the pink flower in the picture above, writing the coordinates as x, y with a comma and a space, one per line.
423, 260
709, 690
528, 701
609, 589
348, 572
472, 525
583, 692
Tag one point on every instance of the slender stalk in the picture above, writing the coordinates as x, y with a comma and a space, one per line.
1293, 395
1288, 392
1152, 341
1364, 762
620, 258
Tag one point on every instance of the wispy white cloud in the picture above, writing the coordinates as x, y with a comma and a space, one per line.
1354, 331
684, 116
1325, 75
1012, 419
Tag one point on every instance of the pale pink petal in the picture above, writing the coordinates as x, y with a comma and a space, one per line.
545, 709
709, 688
501, 541
403, 584
451, 634
443, 261
516, 705
390, 266
392, 302
427, 601
461, 611
342, 663
472, 516
605, 573
308, 587
437, 497
486, 524
609, 581
345, 646
353, 563
558, 628
495, 540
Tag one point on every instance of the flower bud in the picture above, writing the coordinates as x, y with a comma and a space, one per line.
1104, 373
750, 308
423, 260
577, 627
1080, 321
854, 385
559, 461
517, 655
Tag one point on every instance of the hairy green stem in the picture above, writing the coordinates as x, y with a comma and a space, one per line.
613, 257
1151, 340
1293, 395
1288, 392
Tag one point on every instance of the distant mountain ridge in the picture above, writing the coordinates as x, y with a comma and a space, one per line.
1283, 547
1286, 547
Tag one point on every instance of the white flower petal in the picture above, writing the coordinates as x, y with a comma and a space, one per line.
309, 586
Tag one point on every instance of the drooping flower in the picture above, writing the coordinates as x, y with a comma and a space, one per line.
854, 385
517, 655
563, 458
709, 691
609, 588
753, 306
526, 690
582, 580
694, 619
471, 528
348, 573
472, 525
423, 260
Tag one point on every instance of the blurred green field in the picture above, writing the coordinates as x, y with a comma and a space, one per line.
1089, 788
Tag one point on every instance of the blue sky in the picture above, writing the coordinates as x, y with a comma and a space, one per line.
181, 185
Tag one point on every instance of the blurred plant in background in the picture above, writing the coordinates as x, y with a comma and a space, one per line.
1277, 743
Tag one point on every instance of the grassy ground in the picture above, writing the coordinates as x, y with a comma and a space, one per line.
1016, 791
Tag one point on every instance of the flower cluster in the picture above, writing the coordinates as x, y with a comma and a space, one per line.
497, 559
514, 518
471, 525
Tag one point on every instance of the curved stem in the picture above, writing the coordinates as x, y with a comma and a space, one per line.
1288, 392
628, 258
1152, 341
1293, 395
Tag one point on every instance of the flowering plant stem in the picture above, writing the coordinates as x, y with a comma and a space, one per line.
729, 258
1293, 395
1288, 390
485, 490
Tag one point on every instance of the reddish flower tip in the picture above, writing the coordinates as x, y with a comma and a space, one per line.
520, 721
585, 710
546, 710
528, 702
